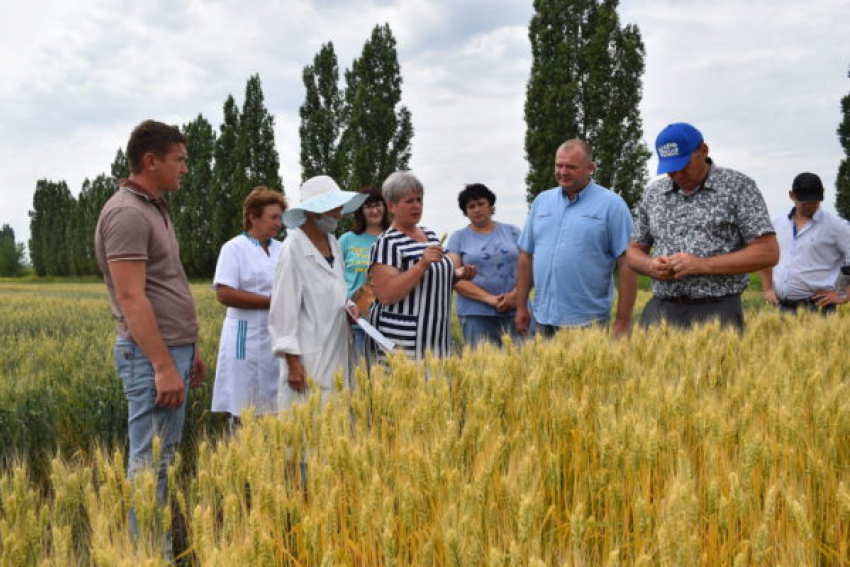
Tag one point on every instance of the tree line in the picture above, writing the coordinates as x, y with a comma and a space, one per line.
358, 135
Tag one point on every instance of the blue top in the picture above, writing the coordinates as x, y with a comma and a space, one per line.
494, 256
355, 254
811, 259
575, 247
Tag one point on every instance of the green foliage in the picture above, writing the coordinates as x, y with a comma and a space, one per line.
842, 182
377, 135
193, 206
585, 83
321, 117
120, 168
11, 253
49, 228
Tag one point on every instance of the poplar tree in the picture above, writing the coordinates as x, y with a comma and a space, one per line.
227, 174
49, 228
11, 253
120, 168
83, 222
322, 117
378, 129
842, 182
585, 83
193, 205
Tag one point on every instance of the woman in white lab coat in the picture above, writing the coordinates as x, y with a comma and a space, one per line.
247, 373
307, 321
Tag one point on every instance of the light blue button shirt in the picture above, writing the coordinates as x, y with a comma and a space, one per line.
575, 247
811, 260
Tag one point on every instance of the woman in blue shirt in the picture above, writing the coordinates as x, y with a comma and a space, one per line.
486, 304
370, 220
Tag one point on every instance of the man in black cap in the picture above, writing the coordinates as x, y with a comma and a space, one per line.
814, 246
698, 232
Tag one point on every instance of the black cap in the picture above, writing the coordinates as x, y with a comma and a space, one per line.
807, 187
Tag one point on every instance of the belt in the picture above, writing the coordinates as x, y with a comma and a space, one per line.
687, 300
796, 302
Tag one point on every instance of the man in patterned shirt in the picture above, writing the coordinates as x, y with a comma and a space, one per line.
698, 233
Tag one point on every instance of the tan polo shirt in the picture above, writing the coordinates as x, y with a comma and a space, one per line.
132, 226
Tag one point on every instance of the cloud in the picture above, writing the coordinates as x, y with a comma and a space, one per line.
763, 80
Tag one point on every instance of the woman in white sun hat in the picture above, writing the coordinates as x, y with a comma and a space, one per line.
307, 319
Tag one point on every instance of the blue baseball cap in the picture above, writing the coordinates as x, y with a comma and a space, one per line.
674, 146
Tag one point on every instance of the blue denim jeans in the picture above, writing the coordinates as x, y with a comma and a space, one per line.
478, 328
146, 420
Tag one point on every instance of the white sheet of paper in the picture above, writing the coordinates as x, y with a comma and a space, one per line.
376, 335
367, 327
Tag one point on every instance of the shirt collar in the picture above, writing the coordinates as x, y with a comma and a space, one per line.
140, 191
705, 184
815, 217
256, 242
159, 202
585, 190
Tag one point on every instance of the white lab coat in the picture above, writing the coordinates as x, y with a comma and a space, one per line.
307, 315
246, 372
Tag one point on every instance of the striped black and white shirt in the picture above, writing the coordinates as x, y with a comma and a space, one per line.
421, 321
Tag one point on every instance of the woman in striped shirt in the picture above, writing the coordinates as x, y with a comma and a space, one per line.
412, 275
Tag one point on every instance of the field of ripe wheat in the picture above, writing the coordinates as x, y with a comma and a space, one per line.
701, 448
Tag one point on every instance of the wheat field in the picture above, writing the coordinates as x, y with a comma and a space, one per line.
700, 448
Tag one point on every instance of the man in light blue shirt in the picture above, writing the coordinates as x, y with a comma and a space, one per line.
574, 237
814, 246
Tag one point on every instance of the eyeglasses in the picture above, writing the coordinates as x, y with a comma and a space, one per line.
373, 206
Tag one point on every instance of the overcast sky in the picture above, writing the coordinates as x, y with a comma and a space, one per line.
762, 80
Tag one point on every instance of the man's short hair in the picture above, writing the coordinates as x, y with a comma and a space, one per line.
151, 136
575, 142
473, 192
257, 200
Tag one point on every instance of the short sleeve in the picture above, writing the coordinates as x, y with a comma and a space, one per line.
753, 218
125, 233
456, 242
385, 251
227, 267
620, 226
514, 233
842, 236
526, 237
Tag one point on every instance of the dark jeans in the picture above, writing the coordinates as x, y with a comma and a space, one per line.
685, 312
791, 306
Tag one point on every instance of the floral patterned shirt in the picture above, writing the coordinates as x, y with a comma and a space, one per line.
723, 215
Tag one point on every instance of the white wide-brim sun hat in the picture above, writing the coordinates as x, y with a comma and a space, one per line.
321, 194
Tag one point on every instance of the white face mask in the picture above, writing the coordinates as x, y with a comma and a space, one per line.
327, 223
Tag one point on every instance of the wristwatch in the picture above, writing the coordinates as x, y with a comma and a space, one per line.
842, 295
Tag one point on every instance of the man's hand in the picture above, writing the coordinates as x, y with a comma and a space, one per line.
170, 388
770, 296
659, 268
522, 319
823, 298
622, 328
199, 370
683, 264
297, 376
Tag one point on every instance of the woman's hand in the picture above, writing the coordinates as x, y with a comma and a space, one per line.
507, 302
466, 272
297, 376
431, 255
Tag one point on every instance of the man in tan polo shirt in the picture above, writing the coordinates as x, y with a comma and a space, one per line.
157, 325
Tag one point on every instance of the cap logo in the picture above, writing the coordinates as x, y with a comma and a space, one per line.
670, 149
